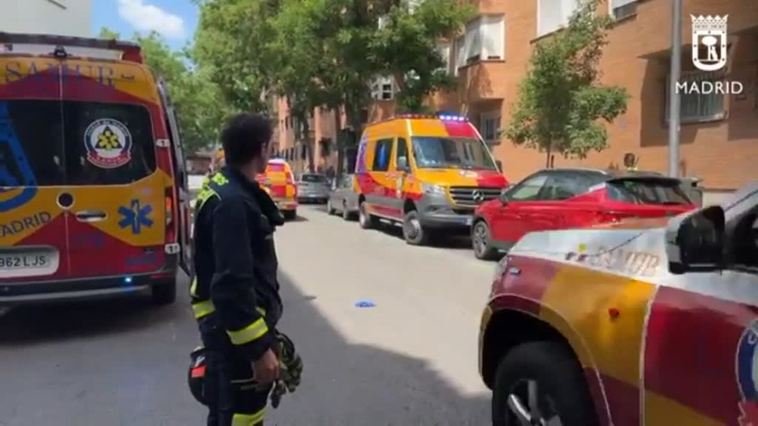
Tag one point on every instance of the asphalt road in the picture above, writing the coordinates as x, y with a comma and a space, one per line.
409, 360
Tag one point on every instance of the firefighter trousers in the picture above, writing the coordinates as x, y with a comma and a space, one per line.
235, 398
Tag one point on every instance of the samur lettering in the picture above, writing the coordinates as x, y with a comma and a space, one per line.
102, 73
619, 259
15, 227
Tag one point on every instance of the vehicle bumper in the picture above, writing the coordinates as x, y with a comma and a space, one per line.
28, 292
286, 204
312, 196
435, 211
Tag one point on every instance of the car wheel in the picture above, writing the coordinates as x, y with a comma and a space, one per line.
481, 241
540, 383
413, 232
164, 293
290, 214
329, 208
345, 211
365, 220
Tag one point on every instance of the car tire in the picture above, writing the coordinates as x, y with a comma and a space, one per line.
481, 241
164, 293
290, 214
345, 211
413, 233
365, 219
329, 209
543, 374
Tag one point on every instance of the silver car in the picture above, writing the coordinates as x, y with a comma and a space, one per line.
313, 187
343, 198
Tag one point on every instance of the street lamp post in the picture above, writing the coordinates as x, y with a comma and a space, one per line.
674, 98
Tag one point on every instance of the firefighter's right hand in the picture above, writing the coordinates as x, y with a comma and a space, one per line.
266, 368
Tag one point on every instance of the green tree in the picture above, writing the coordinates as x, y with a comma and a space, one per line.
232, 41
406, 48
199, 105
560, 102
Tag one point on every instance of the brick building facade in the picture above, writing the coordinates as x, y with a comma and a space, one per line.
719, 133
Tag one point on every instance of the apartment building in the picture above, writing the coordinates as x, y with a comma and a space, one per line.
719, 132
61, 17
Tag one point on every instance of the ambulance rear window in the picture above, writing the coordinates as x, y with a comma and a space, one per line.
31, 152
49, 143
107, 143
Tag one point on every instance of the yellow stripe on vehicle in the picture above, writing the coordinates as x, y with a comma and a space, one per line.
202, 309
240, 419
250, 333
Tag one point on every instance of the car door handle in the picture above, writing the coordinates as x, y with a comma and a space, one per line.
90, 215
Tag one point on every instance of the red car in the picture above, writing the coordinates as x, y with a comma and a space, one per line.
572, 198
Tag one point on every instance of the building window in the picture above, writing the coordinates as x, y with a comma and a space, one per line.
383, 88
460, 54
698, 107
554, 14
444, 50
489, 127
621, 9
484, 39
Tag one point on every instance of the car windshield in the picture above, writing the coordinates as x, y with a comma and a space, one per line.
648, 191
313, 178
442, 152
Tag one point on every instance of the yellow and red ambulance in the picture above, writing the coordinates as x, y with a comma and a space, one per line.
279, 181
427, 172
647, 321
93, 192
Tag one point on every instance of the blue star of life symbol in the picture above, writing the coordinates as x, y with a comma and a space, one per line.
135, 216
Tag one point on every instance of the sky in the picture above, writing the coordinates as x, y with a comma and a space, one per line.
175, 20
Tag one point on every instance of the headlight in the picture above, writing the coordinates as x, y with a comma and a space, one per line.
429, 188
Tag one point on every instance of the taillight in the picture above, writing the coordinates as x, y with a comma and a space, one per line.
612, 217
170, 216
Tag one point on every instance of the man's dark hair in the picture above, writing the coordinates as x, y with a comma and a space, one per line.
243, 136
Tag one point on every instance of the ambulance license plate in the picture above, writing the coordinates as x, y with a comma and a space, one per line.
15, 263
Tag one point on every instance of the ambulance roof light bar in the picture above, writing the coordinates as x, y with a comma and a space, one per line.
129, 51
440, 116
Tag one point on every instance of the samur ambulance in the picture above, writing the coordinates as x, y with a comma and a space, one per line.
93, 198
426, 172
641, 322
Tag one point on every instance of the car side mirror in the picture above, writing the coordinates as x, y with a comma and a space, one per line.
504, 198
402, 164
695, 241
499, 165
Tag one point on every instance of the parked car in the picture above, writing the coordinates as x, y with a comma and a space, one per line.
343, 197
572, 198
94, 197
279, 182
313, 187
426, 172
630, 324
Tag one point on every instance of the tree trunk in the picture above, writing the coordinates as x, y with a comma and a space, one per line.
548, 151
308, 143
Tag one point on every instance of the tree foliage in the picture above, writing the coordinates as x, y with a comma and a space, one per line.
560, 102
198, 101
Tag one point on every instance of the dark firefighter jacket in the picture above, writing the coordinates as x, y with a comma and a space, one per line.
235, 287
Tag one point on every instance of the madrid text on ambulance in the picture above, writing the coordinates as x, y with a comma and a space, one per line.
709, 54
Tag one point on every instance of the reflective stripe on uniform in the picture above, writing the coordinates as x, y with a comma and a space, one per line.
248, 419
205, 195
252, 332
193, 287
219, 179
203, 308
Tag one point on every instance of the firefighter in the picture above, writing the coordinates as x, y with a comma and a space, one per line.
235, 293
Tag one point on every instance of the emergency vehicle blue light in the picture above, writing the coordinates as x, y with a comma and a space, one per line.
452, 118
128, 280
